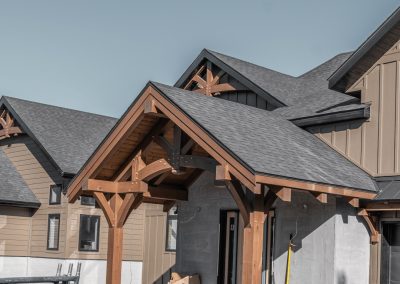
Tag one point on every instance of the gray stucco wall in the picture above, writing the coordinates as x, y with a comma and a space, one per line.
312, 258
331, 245
198, 228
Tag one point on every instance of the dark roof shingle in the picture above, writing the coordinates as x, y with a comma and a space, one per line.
68, 136
13, 189
268, 143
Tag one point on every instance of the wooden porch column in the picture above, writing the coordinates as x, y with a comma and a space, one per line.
253, 237
114, 255
116, 211
115, 244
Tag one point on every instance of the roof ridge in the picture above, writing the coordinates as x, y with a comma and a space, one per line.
55, 106
212, 52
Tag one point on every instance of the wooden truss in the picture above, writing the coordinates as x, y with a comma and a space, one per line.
135, 181
9, 127
209, 84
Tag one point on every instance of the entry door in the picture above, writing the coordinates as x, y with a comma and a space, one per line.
227, 268
390, 271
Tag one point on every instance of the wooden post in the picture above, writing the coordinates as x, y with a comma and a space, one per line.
253, 237
114, 255
115, 244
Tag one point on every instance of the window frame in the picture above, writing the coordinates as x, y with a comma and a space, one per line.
50, 216
88, 204
80, 234
171, 217
58, 201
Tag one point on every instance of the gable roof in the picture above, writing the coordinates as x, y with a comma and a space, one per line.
67, 136
365, 48
13, 189
266, 142
296, 97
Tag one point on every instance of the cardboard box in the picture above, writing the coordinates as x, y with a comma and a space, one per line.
179, 279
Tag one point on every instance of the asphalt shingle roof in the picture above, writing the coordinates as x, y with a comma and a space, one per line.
68, 136
304, 96
13, 189
267, 142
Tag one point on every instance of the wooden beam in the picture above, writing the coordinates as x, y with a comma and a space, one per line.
202, 83
161, 178
198, 162
253, 237
95, 185
383, 206
124, 210
150, 107
164, 144
154, 169
321, 197
167, 192
107, 210
222, 172
123, 173
225, 87
269, 201
131, 187
7, 132
371, 224
114, 255
314, 187
284, 194
355, 202
235, 189
187, 147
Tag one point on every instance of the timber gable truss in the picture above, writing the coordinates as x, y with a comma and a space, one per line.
9, 126
153, 155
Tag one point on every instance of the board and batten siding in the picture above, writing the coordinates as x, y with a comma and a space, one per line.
39, 174
374, 144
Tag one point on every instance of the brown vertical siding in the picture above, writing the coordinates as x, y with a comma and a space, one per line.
374, 144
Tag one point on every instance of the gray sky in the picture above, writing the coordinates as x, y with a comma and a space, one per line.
96, 55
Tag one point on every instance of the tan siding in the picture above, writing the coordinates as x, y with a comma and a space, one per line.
39, 174
374, 144
156, 260
15, 224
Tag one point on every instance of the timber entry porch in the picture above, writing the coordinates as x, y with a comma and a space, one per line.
164, 141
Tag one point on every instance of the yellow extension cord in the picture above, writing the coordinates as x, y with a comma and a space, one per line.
288, 262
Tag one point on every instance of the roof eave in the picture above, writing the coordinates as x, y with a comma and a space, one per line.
362, 113
363, 49
22, 204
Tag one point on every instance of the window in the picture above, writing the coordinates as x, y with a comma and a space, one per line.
87, 200
172, 229
53, 231
89, 233
55, 194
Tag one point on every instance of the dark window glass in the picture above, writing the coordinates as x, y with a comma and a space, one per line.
87, 200
55, 194
53, 231
172, 229
89, 233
